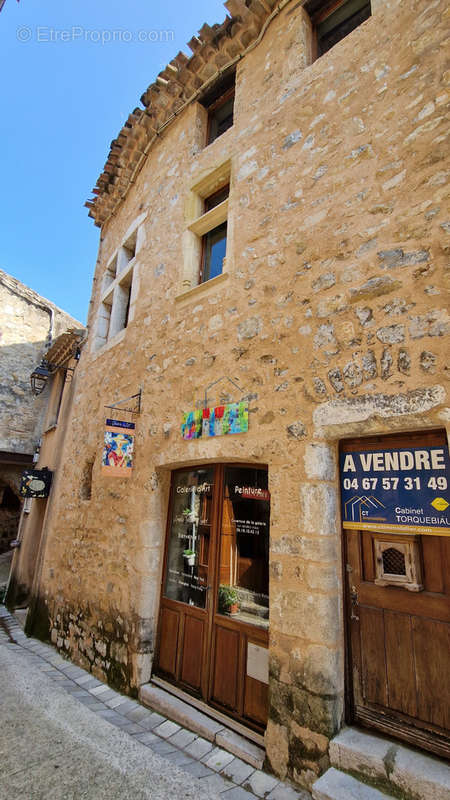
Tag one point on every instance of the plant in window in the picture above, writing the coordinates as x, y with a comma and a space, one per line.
228, 599
189, 557
190, 515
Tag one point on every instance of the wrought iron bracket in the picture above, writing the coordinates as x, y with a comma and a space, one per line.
210, 385
137, 404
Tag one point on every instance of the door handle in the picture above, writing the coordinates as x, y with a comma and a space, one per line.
354, 603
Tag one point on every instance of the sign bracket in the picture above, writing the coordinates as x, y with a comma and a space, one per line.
137, 404
214, 383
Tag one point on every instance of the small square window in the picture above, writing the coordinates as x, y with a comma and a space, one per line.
398, 562
127, 252
121, 305
104, 320
334, 21
219, 103
215, 199
110, 274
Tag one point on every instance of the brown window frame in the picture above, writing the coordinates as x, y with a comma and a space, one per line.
209, 203
215, 99
203, 263
215, 198
212, 112
320, 12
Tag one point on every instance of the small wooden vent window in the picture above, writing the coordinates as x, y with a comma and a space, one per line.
393, 562
398, 563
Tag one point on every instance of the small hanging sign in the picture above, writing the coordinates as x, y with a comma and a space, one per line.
36, 483
117, 458
219, 421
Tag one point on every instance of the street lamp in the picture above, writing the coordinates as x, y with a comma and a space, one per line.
39, 377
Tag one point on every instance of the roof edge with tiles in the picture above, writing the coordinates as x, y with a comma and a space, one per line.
214, 50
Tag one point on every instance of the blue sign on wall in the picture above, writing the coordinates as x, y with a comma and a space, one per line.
406, 489
120, 423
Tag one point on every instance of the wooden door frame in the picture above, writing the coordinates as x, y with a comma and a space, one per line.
395, 726
168, 602
259, 635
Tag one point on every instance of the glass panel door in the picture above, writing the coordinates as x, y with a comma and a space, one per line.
244, 546
189, 537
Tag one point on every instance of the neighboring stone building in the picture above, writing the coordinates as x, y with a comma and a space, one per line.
61, 359
28, 325
324, 187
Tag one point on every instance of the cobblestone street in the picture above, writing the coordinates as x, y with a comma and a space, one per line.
65, 735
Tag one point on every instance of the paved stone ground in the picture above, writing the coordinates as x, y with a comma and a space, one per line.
59, 706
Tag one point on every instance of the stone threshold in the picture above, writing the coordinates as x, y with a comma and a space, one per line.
200, 718
227, 722
371, 767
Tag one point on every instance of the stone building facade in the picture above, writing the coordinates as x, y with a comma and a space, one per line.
28, 324
62, 359
328, 313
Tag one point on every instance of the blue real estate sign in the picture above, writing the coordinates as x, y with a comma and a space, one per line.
405, 490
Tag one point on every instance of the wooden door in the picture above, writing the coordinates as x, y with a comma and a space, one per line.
183, 636
398, 622
213, 628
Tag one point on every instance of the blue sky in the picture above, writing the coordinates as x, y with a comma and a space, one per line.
64, 96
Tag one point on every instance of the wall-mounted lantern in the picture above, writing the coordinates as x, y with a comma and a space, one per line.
39, 377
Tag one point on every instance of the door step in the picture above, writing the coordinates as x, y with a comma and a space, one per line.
212, 726
336, 785
383, 766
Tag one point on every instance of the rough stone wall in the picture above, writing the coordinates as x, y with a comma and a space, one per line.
332, 317
25, 322
10, 504
25, 567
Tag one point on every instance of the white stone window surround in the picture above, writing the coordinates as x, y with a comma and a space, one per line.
120, 287
198, 224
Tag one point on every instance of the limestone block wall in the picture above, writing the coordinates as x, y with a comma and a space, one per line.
28, 322
331, 315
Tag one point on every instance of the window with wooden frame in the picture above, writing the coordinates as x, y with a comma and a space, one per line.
219, 103
214, 242
211, 230
334, 20
206, 242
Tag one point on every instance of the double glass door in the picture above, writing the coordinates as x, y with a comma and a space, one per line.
213, 628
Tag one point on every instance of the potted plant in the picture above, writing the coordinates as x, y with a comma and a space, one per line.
228, 599
189, 515
189, 557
